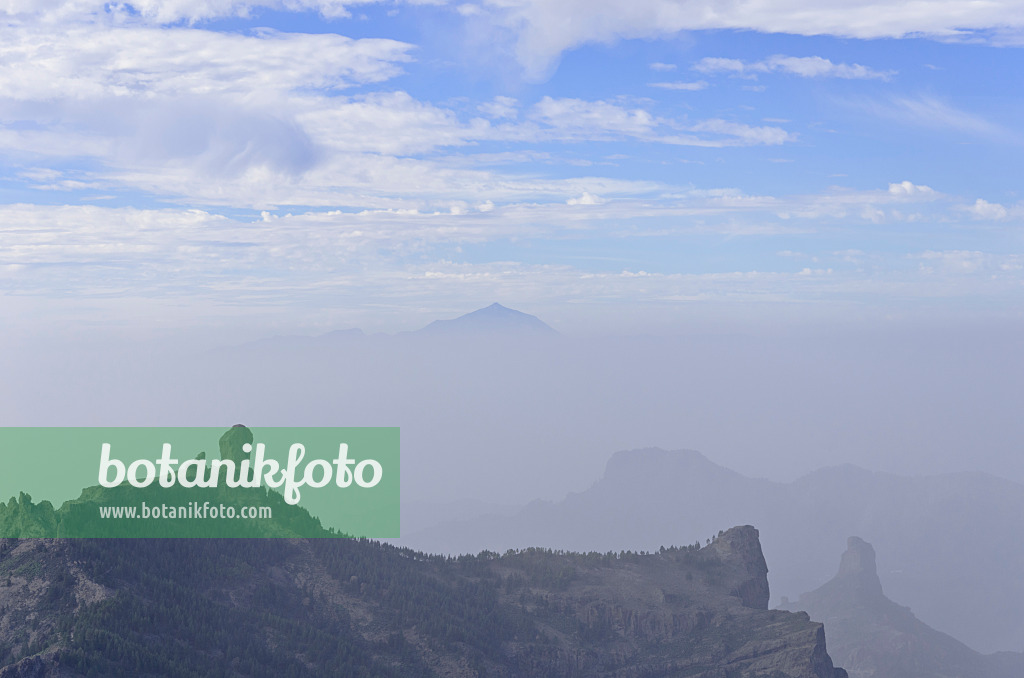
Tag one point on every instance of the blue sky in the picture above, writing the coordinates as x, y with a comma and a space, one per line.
310, 165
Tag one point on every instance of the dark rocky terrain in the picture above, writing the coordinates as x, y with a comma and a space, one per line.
341, 607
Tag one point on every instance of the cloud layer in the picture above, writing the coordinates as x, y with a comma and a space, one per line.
546, 28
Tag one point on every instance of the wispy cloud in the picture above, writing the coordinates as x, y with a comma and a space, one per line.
595, 120
685, 86
543, 29
579, 115
969, 262
806, 67
746, 134
500, 107
929, 111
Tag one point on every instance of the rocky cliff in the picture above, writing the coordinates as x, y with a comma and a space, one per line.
359, 608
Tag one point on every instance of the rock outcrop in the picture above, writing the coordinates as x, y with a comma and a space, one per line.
231, 443
740, 549
873, 637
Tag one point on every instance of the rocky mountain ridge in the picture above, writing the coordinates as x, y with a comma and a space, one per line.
359, 608
922, 524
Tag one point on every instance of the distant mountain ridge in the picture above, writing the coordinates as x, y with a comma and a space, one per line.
954, 533
494, 321
871, 635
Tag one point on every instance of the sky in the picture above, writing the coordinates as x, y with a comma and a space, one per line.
822, 200
249, 168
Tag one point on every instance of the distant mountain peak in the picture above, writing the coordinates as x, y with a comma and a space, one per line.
858, 574
676, 466
858, 562
493, 319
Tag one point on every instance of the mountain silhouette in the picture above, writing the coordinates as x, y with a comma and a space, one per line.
871, 635
494, 319
493, 322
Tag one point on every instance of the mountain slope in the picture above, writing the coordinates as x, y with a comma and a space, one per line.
358, 608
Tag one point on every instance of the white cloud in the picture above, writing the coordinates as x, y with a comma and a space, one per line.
87, 62
166, 238
807, 67
658, 66
719, 64
875, 206
139, 98
817, 67
215, 117
364, 181
309, 149
984, 209
393, 123
500, 107
592, 116
686, 86
909, 188
745, 134
585, 199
